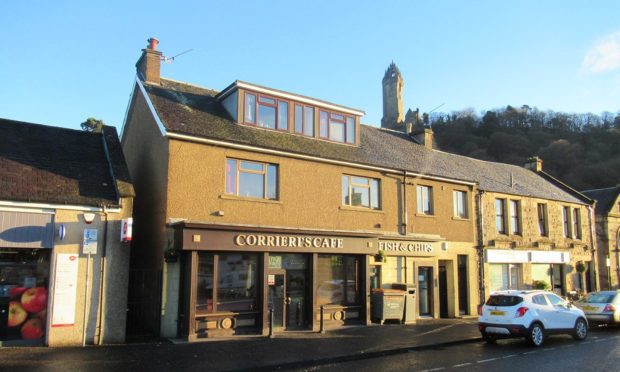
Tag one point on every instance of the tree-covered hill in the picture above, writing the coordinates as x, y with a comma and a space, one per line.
582, 150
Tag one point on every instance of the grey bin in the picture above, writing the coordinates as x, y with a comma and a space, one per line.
387, 304
409, 314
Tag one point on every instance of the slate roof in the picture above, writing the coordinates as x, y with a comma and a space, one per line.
187, 109
54, 165
605, 198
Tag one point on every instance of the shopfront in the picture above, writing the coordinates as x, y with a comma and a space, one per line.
237, 282
26, 240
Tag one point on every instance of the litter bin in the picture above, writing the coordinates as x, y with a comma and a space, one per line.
387, 304
409, 314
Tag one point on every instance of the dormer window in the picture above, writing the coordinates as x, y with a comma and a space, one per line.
304, 120
336, 127
272, 112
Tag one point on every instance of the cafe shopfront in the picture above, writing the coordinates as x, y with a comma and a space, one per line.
232, 280
442, 278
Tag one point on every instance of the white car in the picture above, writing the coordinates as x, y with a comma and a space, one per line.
530, 314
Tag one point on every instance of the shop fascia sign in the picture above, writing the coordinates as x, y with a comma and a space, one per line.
509, 256
414, 248
260, 240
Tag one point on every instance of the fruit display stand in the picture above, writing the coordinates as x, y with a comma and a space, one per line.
387, 304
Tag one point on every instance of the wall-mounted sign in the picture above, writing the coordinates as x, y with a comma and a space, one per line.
271, 279
89, 245
549, 257
506, 256
65, 290
259, 240
408, 248
126, 229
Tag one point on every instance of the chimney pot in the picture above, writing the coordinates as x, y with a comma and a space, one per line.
534, 164
153, 43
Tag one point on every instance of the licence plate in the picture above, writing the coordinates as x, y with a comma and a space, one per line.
590, 308
497, 312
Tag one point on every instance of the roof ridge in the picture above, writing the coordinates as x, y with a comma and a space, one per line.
190, 84
602, 189
76, 131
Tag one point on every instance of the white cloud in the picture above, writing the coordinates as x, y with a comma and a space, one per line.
603, 56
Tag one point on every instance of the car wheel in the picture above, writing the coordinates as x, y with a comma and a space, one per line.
490, 339
536, 335
581, 330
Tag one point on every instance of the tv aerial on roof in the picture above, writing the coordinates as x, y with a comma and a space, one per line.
171, 59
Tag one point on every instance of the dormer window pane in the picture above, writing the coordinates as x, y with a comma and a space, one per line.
350, 130
250, 107
270, 101
309, 121
337, 117
282, 115
266, 116
336, 131
299, 119
323, 122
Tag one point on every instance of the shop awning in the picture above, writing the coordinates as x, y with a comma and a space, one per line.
26, 230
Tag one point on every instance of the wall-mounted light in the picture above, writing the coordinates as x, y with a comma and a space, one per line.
88, 217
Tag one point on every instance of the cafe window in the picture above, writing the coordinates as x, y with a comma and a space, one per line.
515, 217
360, 192
460, 204
338, 280
251, 179
227, 282
425, 199
542, 220
500, 215
266, 112
336, 127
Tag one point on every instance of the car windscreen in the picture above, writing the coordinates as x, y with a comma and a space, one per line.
599, 298
502, 300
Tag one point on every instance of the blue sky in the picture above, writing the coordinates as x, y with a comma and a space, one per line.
64, 61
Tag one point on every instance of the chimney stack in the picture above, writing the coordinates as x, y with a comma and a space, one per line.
424, 137
148, 66
534, 164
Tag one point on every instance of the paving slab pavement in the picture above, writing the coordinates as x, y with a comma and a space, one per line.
295, 350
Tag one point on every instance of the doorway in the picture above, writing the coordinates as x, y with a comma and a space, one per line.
288, 291
425, 290
443, 292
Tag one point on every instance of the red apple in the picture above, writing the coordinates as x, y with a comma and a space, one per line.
34, 299
15, 292
17, 314
32, 329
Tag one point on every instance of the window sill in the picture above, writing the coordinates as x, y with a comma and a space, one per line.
461, 218
360, 209
256, 200
424, 215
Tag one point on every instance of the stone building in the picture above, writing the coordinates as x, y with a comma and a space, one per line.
607, 235
62, 192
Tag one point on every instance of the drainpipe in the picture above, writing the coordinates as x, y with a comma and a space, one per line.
100, 314
618, 260
591, 220
480, 228
405, 203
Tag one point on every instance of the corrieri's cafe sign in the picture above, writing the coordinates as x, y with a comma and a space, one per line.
206, 239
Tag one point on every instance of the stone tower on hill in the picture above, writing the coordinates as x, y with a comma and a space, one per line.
393, 113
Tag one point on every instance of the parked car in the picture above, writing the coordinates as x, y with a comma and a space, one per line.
530, 314
601, 307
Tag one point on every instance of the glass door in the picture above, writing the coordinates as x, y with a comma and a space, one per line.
277, 298
425, 290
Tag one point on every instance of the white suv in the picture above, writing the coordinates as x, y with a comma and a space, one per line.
530, 314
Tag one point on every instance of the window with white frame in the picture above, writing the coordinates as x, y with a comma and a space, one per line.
424, 199
577, 223
361, 192
460, 204
515, 217
500, 215
566, 223
251, 179
543, 226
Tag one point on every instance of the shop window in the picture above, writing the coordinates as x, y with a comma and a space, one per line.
227, 282
460, 204
24, 279
542, 220
338, 280
251, 179
500, 215
504, 276
425, 199
360, 192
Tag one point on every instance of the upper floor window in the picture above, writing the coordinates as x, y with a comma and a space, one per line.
336, 127
266, 112
251, 179
566, 222
460, 204
577, 223
304, 120
542, 220
500, 215
515, 217
425, 199
360, 192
